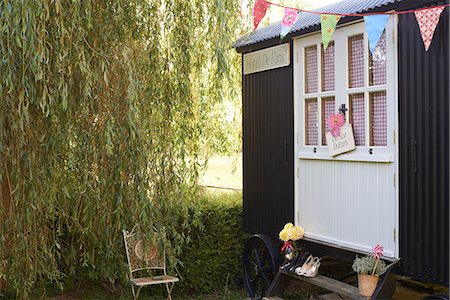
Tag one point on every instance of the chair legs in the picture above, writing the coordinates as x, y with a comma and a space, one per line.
135, 293
169, 290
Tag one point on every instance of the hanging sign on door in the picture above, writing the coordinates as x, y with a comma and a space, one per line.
342, 142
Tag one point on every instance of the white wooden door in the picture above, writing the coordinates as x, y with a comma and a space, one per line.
350, 200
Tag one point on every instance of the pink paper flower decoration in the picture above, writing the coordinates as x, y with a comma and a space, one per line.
335, 123
377, 251
290, 16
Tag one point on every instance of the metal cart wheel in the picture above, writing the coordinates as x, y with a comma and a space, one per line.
261, 261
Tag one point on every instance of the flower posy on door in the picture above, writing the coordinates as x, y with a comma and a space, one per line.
340, 137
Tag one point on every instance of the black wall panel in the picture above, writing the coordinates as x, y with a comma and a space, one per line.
268, 139
424, 151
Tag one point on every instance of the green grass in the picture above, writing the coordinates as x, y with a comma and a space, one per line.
98, 293
223, 171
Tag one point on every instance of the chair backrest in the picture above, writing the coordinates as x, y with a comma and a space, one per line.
141, 255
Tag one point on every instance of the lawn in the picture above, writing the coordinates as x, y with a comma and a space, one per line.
98, 293
223, 172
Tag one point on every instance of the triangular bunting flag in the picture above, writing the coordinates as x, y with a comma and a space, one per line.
259, 11
290, 17
328, 25
375, 25
428, 20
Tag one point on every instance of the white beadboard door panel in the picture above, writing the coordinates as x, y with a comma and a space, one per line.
350, 204
350, 200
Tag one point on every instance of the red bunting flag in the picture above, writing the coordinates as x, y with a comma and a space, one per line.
259, 11
428, 20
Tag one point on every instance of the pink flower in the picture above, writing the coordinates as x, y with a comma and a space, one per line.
335, 122
290, 16
377, 251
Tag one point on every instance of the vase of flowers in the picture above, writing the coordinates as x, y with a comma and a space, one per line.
369, 268
289, 235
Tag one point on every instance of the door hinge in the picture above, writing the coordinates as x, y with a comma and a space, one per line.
395, 234
395, 180
394, 136
298, 171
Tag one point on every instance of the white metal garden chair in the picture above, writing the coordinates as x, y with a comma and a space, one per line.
148, 258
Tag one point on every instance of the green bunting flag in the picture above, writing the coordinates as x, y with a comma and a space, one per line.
328, 25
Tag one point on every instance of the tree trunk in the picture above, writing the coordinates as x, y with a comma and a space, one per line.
5, 201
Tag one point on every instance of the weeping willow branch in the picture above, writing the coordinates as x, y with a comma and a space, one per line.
101, 135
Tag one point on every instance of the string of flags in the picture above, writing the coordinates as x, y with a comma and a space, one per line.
427, 18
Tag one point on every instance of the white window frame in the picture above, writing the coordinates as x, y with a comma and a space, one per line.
342, 92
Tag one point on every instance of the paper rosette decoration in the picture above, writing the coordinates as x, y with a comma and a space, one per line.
377, 251
335, 122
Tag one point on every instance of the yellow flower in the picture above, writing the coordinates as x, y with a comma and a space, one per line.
296, 233
291, 232
300, 231
288, 226
284, 235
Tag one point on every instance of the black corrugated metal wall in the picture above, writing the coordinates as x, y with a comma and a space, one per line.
268, 131
424, 151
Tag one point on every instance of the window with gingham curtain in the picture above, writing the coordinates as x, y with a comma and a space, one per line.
328, 68
356, 61
377, 63
378, 119
311, 130
357, 118
327, 110
311, 81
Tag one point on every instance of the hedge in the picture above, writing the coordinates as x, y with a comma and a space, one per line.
212, 261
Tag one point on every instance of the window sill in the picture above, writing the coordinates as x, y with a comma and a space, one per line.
383, 158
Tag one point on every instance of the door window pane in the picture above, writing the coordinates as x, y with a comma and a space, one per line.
378, 119
328, 68
357, 118
327, 110
311, 130
356, 61
377, 63
311, 81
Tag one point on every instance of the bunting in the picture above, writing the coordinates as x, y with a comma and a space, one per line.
259, 11
428, 20
328, 25
375, 25
290, 17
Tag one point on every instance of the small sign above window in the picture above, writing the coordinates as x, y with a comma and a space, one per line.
267, 59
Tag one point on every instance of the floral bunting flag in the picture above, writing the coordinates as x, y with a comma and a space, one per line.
428, 20
259, 11
290, 17
328, 25
375, 25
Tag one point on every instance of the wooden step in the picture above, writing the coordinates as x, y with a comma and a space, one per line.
343, 289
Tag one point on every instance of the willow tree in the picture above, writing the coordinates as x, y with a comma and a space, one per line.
105, 106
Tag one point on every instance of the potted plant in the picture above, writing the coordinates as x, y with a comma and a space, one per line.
369, 268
